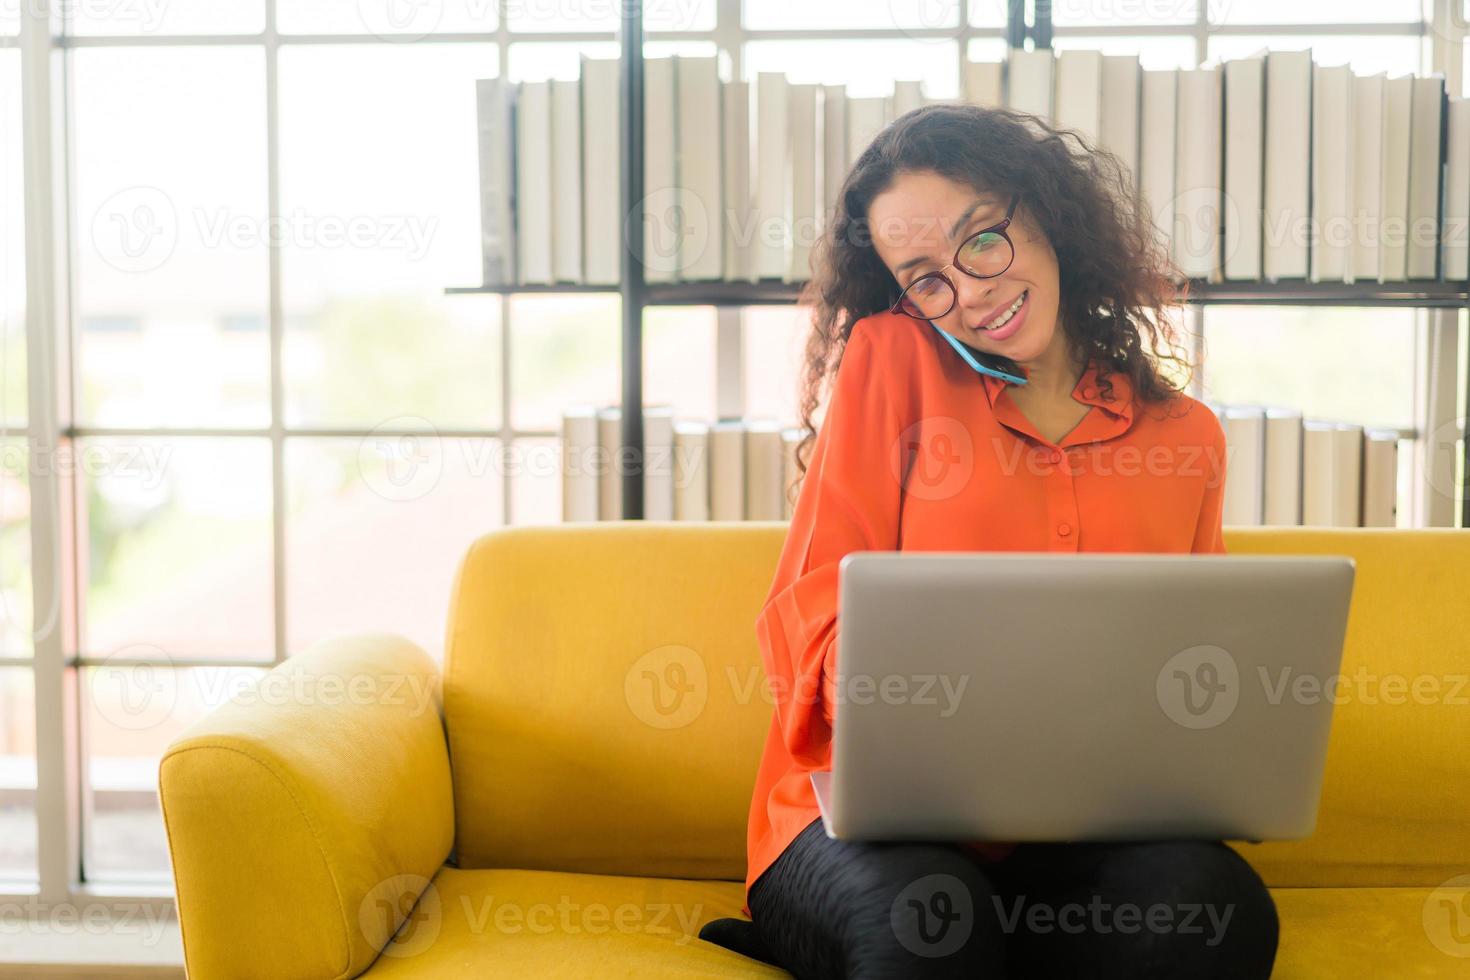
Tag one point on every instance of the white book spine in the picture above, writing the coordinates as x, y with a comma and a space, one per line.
533, 191
1156, 161
1288, 174
739, 215
496, 141
1121, 107
727, 470
984, 83
1245, 442
566, 180
700, 162
1029, 81
907, 95
1398, 111
610, 464
1244, 155
1380, 477
691, 471
865, 120
1426, 156
658, 464
1332, 157
1283, 493
1367, 169
1198, 182
763, 471
834, 146
1079, 93
661, 224
1455, 237
580, 464
772, 175
806, 211
601, 229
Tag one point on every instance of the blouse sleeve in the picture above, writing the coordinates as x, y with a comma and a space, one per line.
849, 501
1208, 536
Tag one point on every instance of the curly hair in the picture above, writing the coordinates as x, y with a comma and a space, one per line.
1116, 279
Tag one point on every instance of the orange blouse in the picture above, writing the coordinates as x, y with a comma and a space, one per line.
918, 451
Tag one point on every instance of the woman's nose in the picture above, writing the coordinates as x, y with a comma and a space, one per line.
974, 295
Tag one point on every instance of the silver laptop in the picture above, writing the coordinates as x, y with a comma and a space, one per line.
1038, 697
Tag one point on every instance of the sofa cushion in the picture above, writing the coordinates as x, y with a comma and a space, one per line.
549, 924
470, 924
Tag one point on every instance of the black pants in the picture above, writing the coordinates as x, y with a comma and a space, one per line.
828, 908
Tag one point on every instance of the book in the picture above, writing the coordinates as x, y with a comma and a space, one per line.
907, 95
1426, 157
1331, 473
494, 103
1455, 231
566, 180
661, 225
1122, 95
601, 185
865, 119
1398, 113
983, 83
700, 199
1332, 156
727, 470
834, 147
1287, 185
763, 470
772, 175
1245, 118
611, 463
534, 215
658, 463
1245, 449
1079, 84
1156, 156
1198, 184
1029, 81
739, 232
580, 464
691, 471
1380, 477
1369, 152
1283, 483
806, 208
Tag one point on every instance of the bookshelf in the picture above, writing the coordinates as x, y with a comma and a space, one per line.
636, 294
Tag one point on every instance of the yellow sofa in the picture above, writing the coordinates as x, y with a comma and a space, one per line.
569, 800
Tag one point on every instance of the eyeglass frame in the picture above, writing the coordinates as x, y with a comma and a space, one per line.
954, 292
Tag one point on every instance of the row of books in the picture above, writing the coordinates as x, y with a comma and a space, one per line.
1285, 469
727, 470
1267, 167
738, 176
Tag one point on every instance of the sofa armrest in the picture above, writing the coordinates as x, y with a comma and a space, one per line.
306, 815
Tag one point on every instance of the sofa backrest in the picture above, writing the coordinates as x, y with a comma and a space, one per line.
606, 705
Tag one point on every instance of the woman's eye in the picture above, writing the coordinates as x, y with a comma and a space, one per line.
984, 243
923, 287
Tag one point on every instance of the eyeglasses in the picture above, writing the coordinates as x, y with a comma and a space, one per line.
984, 255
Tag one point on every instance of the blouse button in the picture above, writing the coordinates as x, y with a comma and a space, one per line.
1064, 529
1056, 456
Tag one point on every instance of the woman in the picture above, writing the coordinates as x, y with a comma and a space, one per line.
991, 303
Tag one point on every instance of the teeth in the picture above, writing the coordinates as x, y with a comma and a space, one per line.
1005, 317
